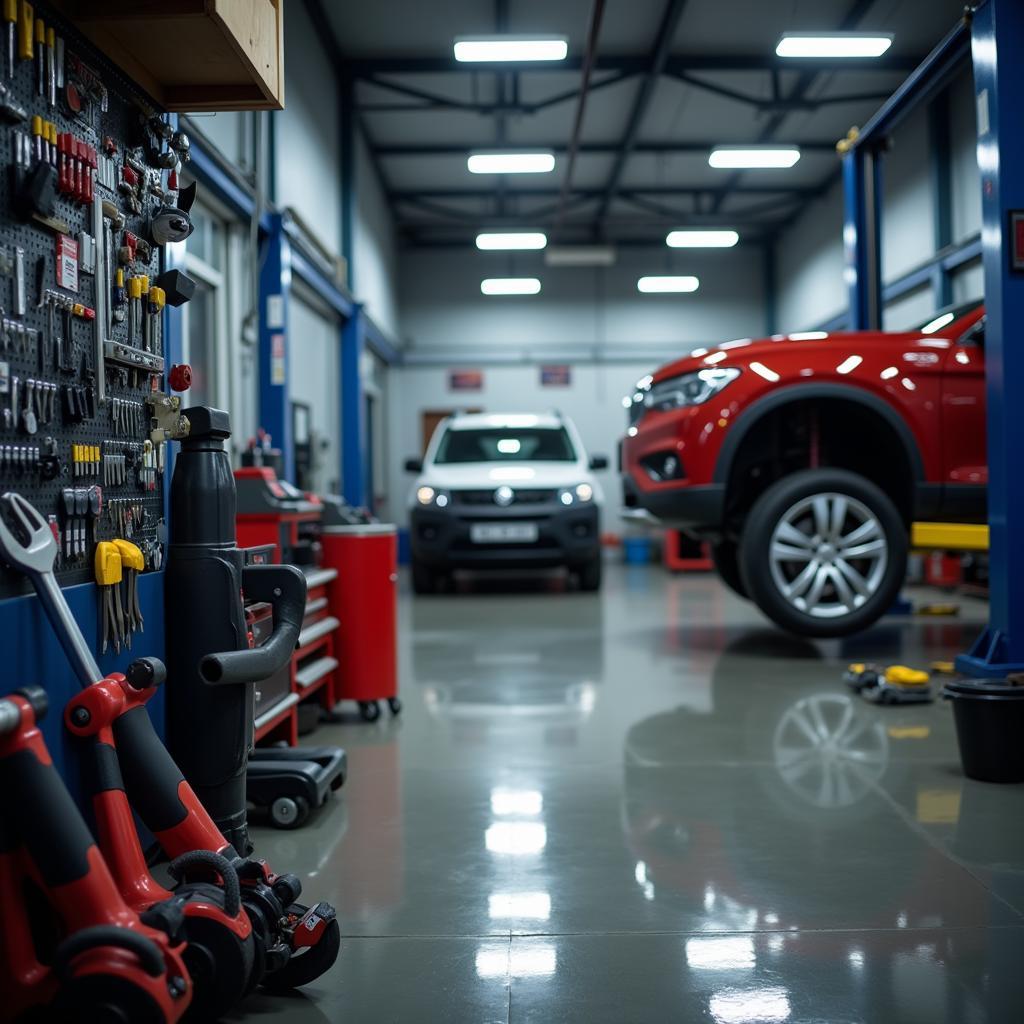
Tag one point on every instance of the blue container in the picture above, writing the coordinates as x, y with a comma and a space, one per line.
637, 550
404, 547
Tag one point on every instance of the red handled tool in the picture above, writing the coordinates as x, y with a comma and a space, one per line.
294, 943
71, 947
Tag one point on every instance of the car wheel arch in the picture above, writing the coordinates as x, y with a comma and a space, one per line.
757, 412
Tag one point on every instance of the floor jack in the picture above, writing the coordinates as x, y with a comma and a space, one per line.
291, 944
210, 704
72, 949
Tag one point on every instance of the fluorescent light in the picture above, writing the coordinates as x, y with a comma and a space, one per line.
511, 163
702, 239
753, 156
482, 49
510, 286
511, 240
838, 44
808, 335
937, 324
849, 364
763, 371
580, 256
667, 284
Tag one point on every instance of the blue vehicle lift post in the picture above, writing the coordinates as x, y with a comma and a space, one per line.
997, 37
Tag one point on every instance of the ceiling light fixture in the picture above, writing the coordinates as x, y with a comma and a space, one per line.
654, 285
511, 163
501, 240
510, 286
834, 44
501, 49
687, 239
737, 157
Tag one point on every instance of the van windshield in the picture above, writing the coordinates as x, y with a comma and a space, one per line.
505, 444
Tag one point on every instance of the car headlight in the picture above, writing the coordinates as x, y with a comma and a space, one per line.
578, 495
690, 388
432, 496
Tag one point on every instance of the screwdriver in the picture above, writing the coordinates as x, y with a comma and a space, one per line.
37, 138
40, 29
135, 307
11, 17
25, 31
144, 308
51, 67
157, 299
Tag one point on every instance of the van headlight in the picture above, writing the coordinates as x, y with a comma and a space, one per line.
578, 495
432, 496
690, 388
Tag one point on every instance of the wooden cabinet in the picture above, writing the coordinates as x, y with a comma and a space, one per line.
192, 54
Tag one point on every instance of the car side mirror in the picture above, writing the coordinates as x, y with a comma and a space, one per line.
414, 465
598, 461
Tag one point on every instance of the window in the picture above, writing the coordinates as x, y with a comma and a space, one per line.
504, 444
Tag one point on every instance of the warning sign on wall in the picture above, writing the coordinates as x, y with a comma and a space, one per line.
67, 263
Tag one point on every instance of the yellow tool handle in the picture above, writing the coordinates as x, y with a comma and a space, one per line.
905, 675
131, 555
10, 10
25, 31
135, 288
108, 564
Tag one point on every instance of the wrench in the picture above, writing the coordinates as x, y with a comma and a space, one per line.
32, 550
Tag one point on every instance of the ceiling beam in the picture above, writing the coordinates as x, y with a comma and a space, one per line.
398, 194
807, 77
660, 47
401, 149
362, 67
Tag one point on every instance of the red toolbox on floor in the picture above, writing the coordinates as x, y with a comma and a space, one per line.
364, 598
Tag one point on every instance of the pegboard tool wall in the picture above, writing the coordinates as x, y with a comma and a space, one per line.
66, 226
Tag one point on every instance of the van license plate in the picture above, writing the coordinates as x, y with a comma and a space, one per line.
503, 533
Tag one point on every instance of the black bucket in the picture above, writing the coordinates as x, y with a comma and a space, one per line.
989, 717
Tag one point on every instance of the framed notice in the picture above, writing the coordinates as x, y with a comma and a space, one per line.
556, 376
465, 380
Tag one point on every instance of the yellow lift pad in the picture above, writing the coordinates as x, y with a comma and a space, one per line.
949, 536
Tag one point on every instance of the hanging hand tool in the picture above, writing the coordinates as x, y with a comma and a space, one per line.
51, 67
132, 563
40, 34
135, 307
157, 299
108, 579
25, 31
144, 309
11, 17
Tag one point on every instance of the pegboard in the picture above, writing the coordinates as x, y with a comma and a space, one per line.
64, 324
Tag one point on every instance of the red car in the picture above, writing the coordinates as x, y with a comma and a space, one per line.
804, 458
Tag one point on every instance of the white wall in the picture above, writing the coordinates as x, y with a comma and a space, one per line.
579, 310
374, 258
593, 401
810, 253
809, 269
306, 132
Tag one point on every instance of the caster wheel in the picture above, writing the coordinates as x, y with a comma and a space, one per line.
369, 710
289, 812
395, 705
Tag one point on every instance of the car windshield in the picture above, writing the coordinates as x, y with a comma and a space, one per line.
505, 444
940, 321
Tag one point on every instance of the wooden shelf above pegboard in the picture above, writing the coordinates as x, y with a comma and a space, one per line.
201, 55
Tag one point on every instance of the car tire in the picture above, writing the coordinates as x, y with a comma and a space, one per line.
725, 555
424, 579
848, 544
590, 574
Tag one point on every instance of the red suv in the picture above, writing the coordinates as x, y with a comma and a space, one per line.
804, 458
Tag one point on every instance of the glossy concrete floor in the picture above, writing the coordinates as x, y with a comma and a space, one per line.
649, 806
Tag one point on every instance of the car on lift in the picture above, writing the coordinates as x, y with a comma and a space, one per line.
804, 458
505, 491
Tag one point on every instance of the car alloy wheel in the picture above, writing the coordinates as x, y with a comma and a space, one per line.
828, 555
